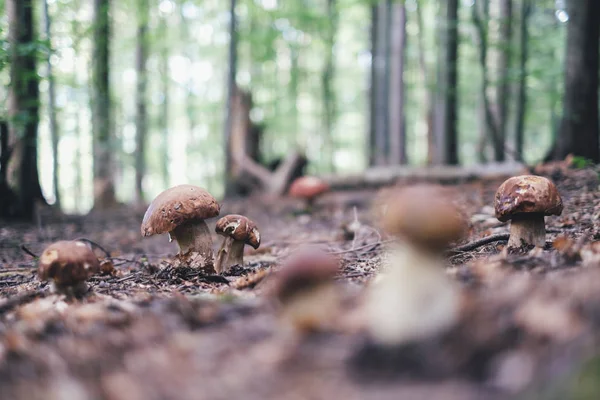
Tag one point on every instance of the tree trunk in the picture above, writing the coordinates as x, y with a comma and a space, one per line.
54, 132
23, 110
329, 100
503, 89
104, 186
381, 65
429, 94
231, 88
373, 94
396, 101
446, 135
163, 113
578, 134
141, 115
522, 89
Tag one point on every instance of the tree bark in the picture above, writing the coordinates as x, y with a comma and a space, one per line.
522, 89
373, 94
104, 187
446, 134
23, 110
381, 65
397, 134
578, 134
230, 186
329, 100
54, 130
141, 115
503, 88
429, 94
163, 119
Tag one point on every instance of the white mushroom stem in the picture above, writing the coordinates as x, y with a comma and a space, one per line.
193, 236
313, 309
527, 229
230, 253
412, 299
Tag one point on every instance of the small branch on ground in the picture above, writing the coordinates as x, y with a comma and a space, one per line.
499, 237
29, 252
94, 245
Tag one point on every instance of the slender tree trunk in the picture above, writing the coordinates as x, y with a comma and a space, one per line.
396, 101
327, 77
230, 186
104, 186
382, 88
373, 94
427, 78
54, 132
578, 134
446, 134
522, 89
503, 89
23, 109
163, 114
141, 114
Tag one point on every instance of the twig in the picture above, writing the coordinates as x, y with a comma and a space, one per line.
94, 244
361, 247
29, 252
499, 237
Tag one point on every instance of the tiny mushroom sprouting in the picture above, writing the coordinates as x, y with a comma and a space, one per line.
413, 299
308, 188
238, 231
305, 290
68, 264
526, 200
180, 211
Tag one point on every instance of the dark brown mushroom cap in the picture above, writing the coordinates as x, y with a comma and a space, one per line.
527, 194
67, 263
425, 215
305, 269
308, 187
239, 228
176, 206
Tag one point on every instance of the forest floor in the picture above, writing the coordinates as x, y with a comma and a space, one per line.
146, 331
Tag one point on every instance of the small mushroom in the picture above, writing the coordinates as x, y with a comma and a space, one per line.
238, 231
180, 211
413, 299
525, 200
68, 264
308, 188
304, 288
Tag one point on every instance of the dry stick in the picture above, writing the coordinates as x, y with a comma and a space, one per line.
29, 252
94, 244
480, 242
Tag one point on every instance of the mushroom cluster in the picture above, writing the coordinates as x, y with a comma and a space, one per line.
238, 231
413, 298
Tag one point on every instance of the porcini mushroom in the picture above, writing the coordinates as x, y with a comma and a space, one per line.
238, 231
413, 298
68, 264
525, 200
180, 211
304, 288
308, 188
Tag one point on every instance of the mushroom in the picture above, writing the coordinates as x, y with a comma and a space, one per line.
305, 291
180, 211
308, 188
238, 231
68, 264
525, 200
413, 299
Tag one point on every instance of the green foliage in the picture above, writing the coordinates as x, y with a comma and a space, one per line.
581, 162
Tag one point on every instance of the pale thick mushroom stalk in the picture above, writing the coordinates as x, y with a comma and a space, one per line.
525, 201
413, 299
238, 231
68, 264
180, 211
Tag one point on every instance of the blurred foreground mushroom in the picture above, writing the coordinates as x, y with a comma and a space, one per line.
413, 299
305, 290
525, 200
68, 264
180, 211
238, 231
308, 188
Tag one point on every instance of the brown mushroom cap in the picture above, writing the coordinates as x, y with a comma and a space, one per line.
308, 187
425, 215
527, 194
306, 268
67, 263
239, 228
176, 206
